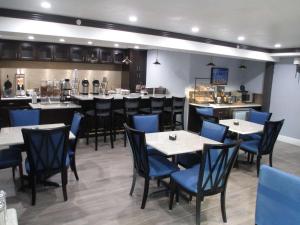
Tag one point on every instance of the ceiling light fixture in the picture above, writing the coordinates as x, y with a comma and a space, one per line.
30, 37
241, 38
133, 18
156, 61
61, 40
136, 47
277, 45
211, 64
195, 29
116, 45
90, 42
46, 5
242, 67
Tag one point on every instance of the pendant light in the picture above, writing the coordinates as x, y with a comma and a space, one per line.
156, 61
211, 64
126, 61
242, 66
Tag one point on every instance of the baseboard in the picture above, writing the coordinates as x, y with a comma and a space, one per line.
289, 140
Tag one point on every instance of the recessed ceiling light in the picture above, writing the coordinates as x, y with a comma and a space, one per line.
136, 47
133, 18
195, 29
90, 42
277, 45
62, 40
46, 5
30, 37
241, 38
116, 45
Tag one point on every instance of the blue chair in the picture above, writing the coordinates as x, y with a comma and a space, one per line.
24, 117
75, 129
207, 111
208, 178
47, 154
277, 200
147, 166
265, 145
211, 130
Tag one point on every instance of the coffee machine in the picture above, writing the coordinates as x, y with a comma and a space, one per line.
96, 87
65, 90
85, 87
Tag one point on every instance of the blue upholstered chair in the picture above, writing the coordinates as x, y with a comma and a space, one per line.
278, 196
211, 130
75, 129
24, 117
47, 154
265, 145
147, 166
207, 178
208, 111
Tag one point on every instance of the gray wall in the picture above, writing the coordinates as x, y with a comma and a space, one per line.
285, 98
178, 70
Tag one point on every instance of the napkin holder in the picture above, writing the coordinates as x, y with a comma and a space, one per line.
172, 137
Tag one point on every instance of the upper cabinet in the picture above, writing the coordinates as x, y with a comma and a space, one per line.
26, 51
45, 52
118, 56
106, 55
92, 55
61, 53
77, 54
8, 50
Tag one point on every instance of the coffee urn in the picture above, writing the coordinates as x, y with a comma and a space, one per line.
85, 87
96, 87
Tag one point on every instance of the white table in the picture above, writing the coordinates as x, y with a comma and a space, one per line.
13, 135
244, 127
186, 142
11, 217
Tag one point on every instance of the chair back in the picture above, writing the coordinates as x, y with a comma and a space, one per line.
131, 106
46, 149
269, 137
146, 123
277, 200
215, 167
139, 151
103, 107
258, 117
24, 117
214, 131
178, 104
75, 129
157, 105
206, 111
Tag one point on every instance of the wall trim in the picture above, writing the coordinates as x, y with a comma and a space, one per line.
289, 140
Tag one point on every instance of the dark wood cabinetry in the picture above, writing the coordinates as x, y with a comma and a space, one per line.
106, 55
137, 69
92, 55
61, 53
8, 50
26, 51
118, 56
77, 54
44, 52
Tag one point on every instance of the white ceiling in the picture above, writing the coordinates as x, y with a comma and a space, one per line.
263, 23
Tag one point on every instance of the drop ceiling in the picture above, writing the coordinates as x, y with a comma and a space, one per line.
263, 23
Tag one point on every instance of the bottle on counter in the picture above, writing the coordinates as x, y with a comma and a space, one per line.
34, 98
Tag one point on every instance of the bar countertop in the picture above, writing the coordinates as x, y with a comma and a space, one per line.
118, 96
225, 106
70, 105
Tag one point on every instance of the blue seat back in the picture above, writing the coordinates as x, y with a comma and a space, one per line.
259, 117
278, 198
214, 131
24, 117
75, 128
146, 123
46, 149
206, 111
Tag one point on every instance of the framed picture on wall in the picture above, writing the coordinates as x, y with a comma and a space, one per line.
219, 76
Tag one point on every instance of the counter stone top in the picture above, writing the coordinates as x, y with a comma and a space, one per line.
16, 98
117, 96
225, 106
55, 106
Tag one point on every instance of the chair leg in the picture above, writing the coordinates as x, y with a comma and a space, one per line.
198, 210
158, 182
173, 117
182, 121
258, 164
96, 134
133, 182
111, 137
21, 174
223, 206
125, 139
271, 160
64, 179
172, 192
33, 189
252, 158
145, 195
74, 168
14, 172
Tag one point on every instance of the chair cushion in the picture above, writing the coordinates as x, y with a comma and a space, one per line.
160, 166
188, 179
250, 146
9, 158
188, 160
153, 151
27, 165
247, 137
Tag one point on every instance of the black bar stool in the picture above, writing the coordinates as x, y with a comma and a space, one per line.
177, 108
102, 115
157, 106
131, 108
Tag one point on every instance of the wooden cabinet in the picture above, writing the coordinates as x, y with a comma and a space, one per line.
8, 50
77, 54
118, 56
92, 55
106, 55
137, 69
61, 53
26, 51
45, 52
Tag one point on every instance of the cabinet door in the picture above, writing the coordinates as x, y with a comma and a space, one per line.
92, 55
106, 56
45, 52
61, 53
118, 56
77, 54
8, 50
27, 51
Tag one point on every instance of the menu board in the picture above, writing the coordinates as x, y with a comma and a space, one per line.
219, 76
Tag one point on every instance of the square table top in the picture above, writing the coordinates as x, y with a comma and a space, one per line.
186, 142
244, 127
13, 135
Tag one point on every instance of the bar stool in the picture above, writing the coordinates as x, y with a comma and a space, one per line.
177, 108
102, 113
131, 107
157, 105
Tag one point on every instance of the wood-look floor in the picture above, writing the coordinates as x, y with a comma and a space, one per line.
101, 196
